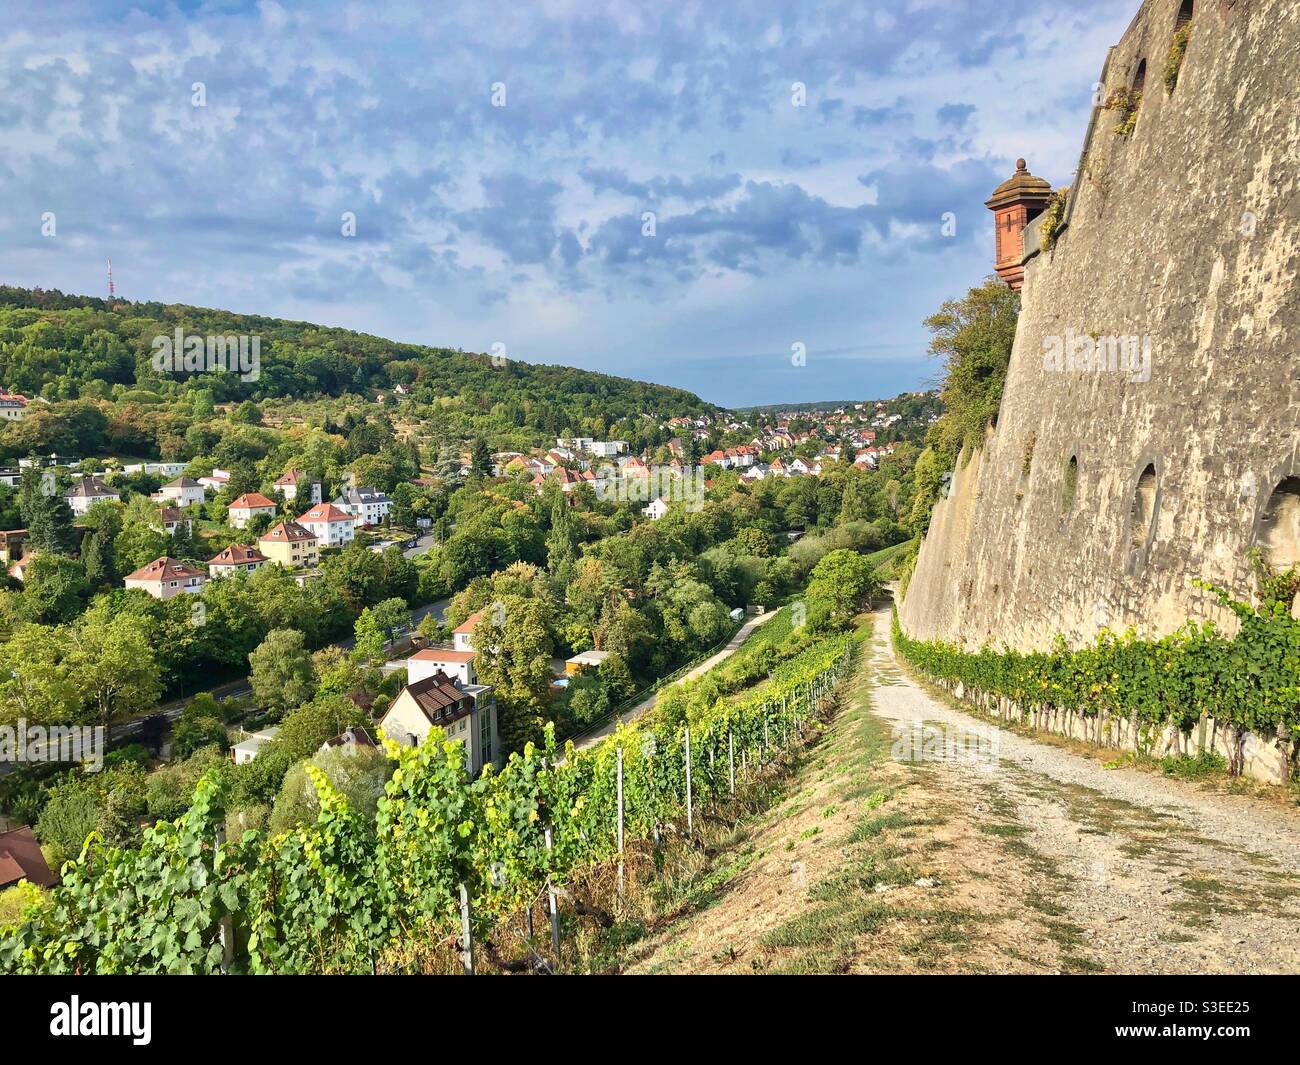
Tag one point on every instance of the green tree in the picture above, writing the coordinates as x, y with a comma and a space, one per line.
282, 675
513, 647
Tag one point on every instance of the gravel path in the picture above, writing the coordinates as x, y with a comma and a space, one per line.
1150, 874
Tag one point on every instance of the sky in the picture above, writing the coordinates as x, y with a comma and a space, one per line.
759, 202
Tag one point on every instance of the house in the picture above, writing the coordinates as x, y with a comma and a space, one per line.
293, 482
171, 520
13, 407
157, 469
183, 491
242, 510
466, 714
656, 510
607, 449
289, 544
237, 558
246, 750
21, 859
566, 478
331, 527
459, 665
11, 476
586, 660
365, 504
350, 741
86, 492
165, 577
462, 637
216, 480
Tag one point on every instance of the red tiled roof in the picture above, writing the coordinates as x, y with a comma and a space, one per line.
466, 627
251, 499
444, 654
165, 569
325, 512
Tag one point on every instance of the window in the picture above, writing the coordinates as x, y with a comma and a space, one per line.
1142, 516
1279, 525
485, 733
1184, 14
1140, 78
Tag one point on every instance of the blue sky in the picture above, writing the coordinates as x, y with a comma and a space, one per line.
524, 224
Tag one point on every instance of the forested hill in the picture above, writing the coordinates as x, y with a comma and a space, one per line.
66, 347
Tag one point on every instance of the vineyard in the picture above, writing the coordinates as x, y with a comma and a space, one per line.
1248, 682
446, 858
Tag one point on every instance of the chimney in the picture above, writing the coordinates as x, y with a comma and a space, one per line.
1015, 203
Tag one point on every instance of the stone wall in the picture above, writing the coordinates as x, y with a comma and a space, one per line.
1186, 233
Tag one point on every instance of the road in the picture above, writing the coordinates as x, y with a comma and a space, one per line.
590, 739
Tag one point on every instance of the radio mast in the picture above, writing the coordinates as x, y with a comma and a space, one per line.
112, 292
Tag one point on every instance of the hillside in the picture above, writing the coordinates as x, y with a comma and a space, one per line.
64, 347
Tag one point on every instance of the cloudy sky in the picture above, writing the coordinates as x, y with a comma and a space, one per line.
679, 192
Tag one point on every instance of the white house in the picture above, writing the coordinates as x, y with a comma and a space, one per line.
607, 449
295, 481
242, 510
466, 715
656, 510
216, 480
365, 504
86, 492
458, 665
182, 492
246, 750
331, 526
165, 577
462, 637
13, 407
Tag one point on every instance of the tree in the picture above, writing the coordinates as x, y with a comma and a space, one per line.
359, 776
843, 580
974, 336
114, 668
513, 654
375, 627
481, 459
46, 515
282, 675
54, 588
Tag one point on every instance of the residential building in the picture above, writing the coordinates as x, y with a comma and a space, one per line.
350, 741
462, 637
295, 482
459, 665
171, 520
365, 504
607, 449
157, 469
86, 492
247, 749
165, 577
331, 526
18, 568
289, 544
466, 715
216, 480
656, 510
13, 407
11, 476
237, 558
243, 509
183, 491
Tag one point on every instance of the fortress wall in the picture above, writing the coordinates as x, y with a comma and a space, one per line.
1186, 232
